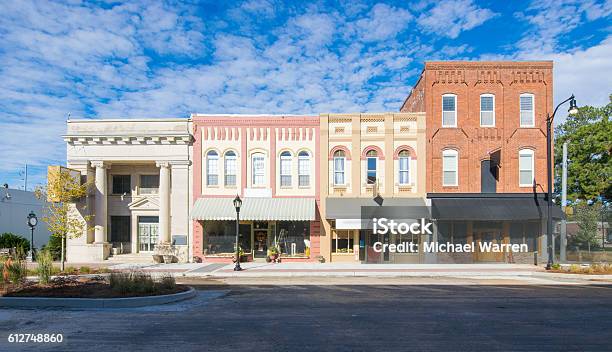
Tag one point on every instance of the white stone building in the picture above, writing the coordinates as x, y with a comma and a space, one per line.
141, 171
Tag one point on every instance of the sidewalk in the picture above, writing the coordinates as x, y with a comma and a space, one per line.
254, 270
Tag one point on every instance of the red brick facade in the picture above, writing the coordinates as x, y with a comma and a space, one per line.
468, 80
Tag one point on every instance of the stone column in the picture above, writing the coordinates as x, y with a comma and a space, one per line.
100, 217
164, 201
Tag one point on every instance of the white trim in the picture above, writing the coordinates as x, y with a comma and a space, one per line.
442, 108
454, 153
526, 151
532, 110
480, 104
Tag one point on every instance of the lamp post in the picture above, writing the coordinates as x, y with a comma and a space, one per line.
573, 109
237, 205
32, 222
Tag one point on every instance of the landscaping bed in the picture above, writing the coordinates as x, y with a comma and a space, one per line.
85, 288
593, 269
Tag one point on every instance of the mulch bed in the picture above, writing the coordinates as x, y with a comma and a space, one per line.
82, 289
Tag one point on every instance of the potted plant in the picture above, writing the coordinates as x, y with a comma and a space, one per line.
274, 254
240, 255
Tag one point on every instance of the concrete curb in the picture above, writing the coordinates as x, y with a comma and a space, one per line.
572, 276
129, 302
263, 274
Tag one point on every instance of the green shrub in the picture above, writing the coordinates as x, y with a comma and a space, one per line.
45, 266
11, 240
54, 246
16, 270
556, 266
85, 270
167, 282
139, 282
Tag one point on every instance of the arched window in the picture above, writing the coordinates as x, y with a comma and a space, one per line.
404, 167
285, 169
212, 168
258, 160
230, 168
526, 103
339, 163
304, 169
371, 163
526, 172
450, 167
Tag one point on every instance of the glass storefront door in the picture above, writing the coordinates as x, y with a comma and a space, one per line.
148, 232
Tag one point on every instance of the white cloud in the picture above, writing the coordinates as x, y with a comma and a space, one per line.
584, 73
451, 17
383, 22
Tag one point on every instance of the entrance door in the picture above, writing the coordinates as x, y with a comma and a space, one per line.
148, 232
486, 237
488, 182
371, 255
260, 239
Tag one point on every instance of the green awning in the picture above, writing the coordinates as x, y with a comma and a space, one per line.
260, 209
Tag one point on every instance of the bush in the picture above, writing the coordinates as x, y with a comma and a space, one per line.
45, 266
167, 282
54, 246
85, 270
11, 240
14, 271
139, 282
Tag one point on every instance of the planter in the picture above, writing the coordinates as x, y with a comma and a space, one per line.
158, 258
168, 258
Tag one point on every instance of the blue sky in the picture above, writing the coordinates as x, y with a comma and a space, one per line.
110, 59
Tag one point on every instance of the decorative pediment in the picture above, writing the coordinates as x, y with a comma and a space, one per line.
144, 203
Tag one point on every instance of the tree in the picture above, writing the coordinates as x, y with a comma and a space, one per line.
64, 209
11, 240
589, 137
587, 236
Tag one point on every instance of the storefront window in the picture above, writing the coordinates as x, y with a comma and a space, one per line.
293, 237
220, 237
342, 241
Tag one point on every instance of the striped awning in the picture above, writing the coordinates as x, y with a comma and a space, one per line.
263, 209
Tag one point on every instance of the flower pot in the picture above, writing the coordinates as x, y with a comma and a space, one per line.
168, 259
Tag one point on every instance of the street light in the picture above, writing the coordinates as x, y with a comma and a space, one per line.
32, 222
237, 205
573, 109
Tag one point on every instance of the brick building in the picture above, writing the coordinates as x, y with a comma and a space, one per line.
486, 149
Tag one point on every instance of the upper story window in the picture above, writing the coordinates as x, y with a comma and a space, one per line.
149, 184
339, 163
212, 168
258, 169
526, 174
304, 169
404, 167
449, 110
450, 167
371, 161
487, 110
527, 110
122, 184
230, 168
285, 169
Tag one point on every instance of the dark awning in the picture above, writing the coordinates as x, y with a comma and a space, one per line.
350, 208
490, 207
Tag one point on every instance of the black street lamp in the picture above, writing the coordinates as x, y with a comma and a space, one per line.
573, 109
32, 222
237, 205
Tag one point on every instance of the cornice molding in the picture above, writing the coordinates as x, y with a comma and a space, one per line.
168, 139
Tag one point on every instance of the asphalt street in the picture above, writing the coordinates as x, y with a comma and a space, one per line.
389, 316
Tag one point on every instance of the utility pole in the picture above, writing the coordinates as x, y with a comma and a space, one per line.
563, 244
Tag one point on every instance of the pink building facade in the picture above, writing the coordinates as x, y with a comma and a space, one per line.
271, 162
